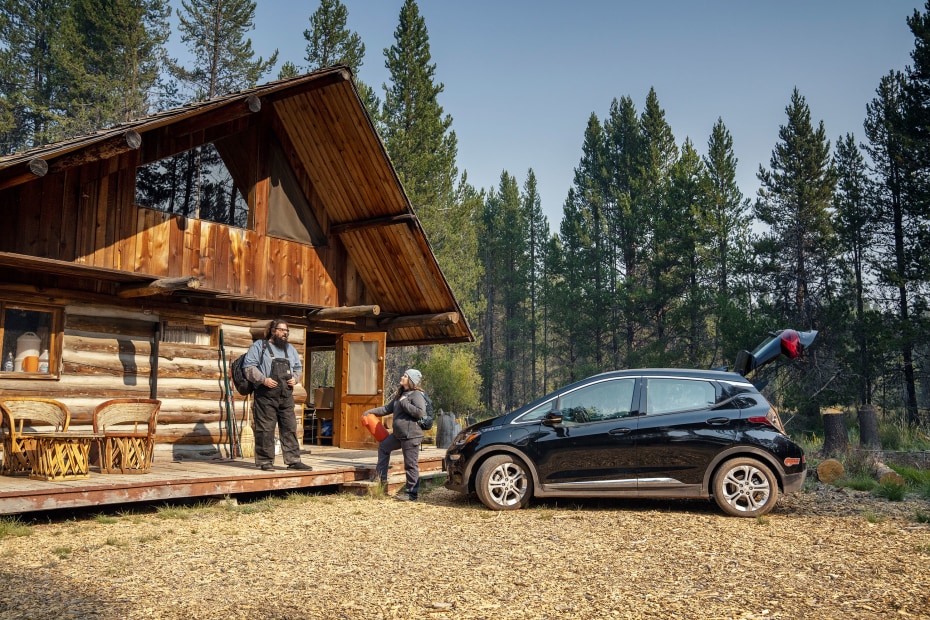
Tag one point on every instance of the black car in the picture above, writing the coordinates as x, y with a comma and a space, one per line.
667, 433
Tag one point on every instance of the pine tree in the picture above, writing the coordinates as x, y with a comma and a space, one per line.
627, 225
215, 33
422, 146
794, 202
590, 205
109, 54
537, 237
416, 133
331, 43
891, 138
727, 222
28, 111
854, 223
682, 237
657, 157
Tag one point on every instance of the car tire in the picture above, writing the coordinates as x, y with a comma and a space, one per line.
745, 487
504, 483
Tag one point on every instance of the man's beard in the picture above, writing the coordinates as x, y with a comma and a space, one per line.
279, 341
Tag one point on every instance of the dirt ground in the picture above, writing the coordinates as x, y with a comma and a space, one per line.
823, 553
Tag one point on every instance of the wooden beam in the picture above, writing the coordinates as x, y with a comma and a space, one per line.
211, 117
419, 320
343, 313
14, 175
404, 218
105, 149
158, 287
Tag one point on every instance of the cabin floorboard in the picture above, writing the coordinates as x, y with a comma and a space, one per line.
179, 477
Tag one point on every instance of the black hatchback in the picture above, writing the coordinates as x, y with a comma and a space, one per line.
659, 433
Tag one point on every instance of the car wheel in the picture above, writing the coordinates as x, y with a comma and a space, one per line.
745, 487
503, 483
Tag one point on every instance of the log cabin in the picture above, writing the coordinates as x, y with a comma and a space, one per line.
139, 261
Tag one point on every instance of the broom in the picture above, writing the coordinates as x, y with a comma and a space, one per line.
246, 437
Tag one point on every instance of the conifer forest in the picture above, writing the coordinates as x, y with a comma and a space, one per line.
659, 260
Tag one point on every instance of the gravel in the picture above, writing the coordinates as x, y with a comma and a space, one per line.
822, 553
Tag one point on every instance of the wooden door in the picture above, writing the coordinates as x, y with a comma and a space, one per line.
359, 387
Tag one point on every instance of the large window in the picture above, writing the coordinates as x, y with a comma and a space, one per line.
30, 337
194, 184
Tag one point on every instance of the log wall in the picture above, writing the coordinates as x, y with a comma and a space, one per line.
107, 352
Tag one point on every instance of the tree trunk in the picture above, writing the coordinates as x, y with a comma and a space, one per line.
835, 435
868, 428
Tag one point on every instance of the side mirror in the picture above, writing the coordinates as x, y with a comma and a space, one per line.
552, 418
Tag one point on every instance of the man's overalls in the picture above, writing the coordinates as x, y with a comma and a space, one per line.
276, 406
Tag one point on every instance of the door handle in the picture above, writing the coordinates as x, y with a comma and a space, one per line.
718, 421
619, 431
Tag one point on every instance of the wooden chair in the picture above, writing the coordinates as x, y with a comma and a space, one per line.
126, 449
25, 413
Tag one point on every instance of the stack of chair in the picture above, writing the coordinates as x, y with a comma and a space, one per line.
128, 429
27, 413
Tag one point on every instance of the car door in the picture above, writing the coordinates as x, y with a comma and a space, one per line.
682, 429
592, 448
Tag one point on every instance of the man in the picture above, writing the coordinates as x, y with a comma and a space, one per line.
273, 366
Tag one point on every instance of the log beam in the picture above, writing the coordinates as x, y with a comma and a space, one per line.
35, 168
105, 149
343, 313
158, 287
404, 218
420, 320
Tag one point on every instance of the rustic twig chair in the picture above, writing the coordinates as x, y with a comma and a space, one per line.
126, 449
25, 412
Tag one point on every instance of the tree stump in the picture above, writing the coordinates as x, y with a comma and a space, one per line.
868, 428
835, 435
830, 470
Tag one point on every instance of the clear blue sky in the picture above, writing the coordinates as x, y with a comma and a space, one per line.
522, 77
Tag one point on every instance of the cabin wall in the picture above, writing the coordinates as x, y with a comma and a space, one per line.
109, 352
88, 216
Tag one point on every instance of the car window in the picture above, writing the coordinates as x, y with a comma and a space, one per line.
604, 400
536, 413
664, 395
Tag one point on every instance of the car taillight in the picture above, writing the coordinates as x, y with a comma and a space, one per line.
790, 344
771, 419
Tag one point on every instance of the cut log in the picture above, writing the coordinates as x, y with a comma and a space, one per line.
343, 312
830, 470
886, 475
158, 287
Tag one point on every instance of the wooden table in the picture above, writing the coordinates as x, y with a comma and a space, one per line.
62, 455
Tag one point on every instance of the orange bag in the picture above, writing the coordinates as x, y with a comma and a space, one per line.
374, 426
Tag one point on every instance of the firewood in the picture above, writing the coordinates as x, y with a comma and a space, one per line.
830, 470
886, 475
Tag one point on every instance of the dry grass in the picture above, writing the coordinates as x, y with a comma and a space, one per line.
823, 553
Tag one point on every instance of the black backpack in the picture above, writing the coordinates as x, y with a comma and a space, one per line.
426, 422
237, 372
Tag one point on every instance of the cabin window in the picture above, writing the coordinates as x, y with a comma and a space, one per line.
185, 334
197, 184
30, 337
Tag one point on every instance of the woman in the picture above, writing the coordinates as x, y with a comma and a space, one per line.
408, 406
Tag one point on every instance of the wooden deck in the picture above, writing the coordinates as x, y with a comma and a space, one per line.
174, 477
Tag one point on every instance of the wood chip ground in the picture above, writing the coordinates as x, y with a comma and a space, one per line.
823, 553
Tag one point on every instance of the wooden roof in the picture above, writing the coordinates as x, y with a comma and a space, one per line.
345, 172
